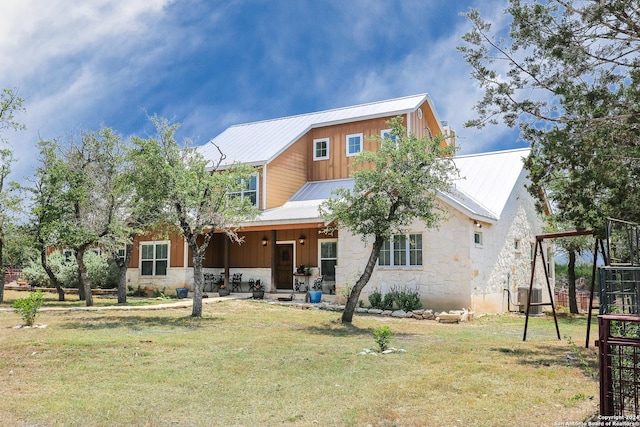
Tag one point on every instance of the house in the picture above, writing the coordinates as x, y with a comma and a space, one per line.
480, 251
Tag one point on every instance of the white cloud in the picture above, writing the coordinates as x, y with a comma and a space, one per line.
65, 57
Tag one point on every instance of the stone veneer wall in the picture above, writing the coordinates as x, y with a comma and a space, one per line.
456, 273
180, 277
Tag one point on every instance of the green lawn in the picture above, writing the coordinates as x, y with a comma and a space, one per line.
251, 363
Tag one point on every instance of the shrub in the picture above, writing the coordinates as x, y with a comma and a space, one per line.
387, 300
408, 299
28, 307
382, 335
375, 298
35, 275
101, 273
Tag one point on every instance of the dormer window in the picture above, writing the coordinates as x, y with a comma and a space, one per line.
354, 144
249, 190
321, 149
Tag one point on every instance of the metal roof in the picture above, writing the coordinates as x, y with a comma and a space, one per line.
260, 142
487, 180
320, 190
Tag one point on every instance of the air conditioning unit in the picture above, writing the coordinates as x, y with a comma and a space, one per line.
523, 295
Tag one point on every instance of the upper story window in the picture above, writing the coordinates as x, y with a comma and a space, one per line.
354, 144
249, 190
154, 258
321, 149
386, 133
402, 251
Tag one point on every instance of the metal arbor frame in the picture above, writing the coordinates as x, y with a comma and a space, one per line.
538, 250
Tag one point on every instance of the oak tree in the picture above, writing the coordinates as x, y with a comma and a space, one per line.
10, 104
195, 193
567, 73
393, 186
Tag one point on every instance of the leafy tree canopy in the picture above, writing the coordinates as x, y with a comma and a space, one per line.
191, 192
568, 75
394, 185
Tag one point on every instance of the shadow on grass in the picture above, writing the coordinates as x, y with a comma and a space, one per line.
338, 329
552, 356
137, 323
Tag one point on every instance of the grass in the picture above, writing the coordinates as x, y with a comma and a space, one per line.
250, 363
72, 300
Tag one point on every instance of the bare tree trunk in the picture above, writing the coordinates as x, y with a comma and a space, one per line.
198, 281
52, 277
571, 272
84, 284
123, 265
352, 301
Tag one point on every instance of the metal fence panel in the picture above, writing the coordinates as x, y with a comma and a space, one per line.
619, 290
619, 363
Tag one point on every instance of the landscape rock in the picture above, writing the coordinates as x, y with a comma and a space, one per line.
448, 318
399, 313
387, 313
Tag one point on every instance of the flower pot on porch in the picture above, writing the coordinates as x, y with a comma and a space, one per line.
223, 292
315, 296
258, 294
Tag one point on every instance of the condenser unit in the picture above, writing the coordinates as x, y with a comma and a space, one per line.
523, 294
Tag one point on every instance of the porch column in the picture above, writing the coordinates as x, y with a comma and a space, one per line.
226, 262
274, 261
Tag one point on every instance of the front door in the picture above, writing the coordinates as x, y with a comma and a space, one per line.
284, 266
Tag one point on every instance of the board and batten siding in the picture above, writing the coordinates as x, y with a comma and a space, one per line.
287, 173
338, 165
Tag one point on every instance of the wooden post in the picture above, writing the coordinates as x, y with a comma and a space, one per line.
274, 263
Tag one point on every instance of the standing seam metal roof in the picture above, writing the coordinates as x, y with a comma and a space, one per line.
260, 142
487, 180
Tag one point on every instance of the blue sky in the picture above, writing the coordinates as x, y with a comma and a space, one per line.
212, 64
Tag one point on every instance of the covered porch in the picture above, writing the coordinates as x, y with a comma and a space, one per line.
286, 259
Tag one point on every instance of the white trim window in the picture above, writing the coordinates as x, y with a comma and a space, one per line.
354, 144
477, 238
402, 250
321, 149
328, 258
154, 258
249, 190
386, 133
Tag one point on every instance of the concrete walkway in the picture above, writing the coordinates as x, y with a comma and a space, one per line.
185, 303
182, 303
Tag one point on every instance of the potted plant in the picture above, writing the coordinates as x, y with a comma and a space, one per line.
223, 291
315, 294
258, 290
302, 269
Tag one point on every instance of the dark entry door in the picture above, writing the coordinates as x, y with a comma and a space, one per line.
284, 267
